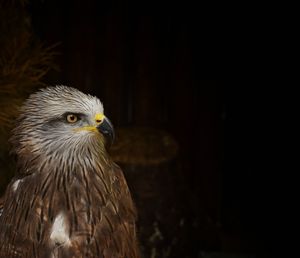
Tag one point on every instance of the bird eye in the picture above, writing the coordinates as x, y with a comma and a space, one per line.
71, 118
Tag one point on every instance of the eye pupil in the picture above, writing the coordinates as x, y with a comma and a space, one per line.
72, 118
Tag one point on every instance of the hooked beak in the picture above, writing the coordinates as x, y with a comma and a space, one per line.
107, 129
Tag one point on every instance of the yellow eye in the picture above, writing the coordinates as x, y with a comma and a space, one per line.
72, 118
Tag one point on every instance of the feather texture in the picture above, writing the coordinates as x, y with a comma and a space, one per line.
72, 201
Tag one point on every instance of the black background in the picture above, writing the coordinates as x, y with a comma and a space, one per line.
156, 70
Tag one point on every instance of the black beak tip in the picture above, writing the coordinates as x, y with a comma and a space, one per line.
107, 129
110, 136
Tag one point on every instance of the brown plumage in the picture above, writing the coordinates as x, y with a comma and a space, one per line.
68, 198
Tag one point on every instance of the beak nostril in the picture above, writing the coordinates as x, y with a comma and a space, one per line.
98, 121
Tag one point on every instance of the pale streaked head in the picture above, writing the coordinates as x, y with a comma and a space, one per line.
61, 119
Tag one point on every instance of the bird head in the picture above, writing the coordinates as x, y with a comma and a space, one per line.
61, 121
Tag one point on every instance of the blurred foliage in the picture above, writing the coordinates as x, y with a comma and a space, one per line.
24, 61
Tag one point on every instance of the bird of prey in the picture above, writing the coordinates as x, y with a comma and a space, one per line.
68, 198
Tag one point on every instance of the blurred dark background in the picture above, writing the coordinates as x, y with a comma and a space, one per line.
155, 72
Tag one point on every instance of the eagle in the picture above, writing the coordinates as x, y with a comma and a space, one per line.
67, 198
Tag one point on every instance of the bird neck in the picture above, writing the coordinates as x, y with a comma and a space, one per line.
78, 159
